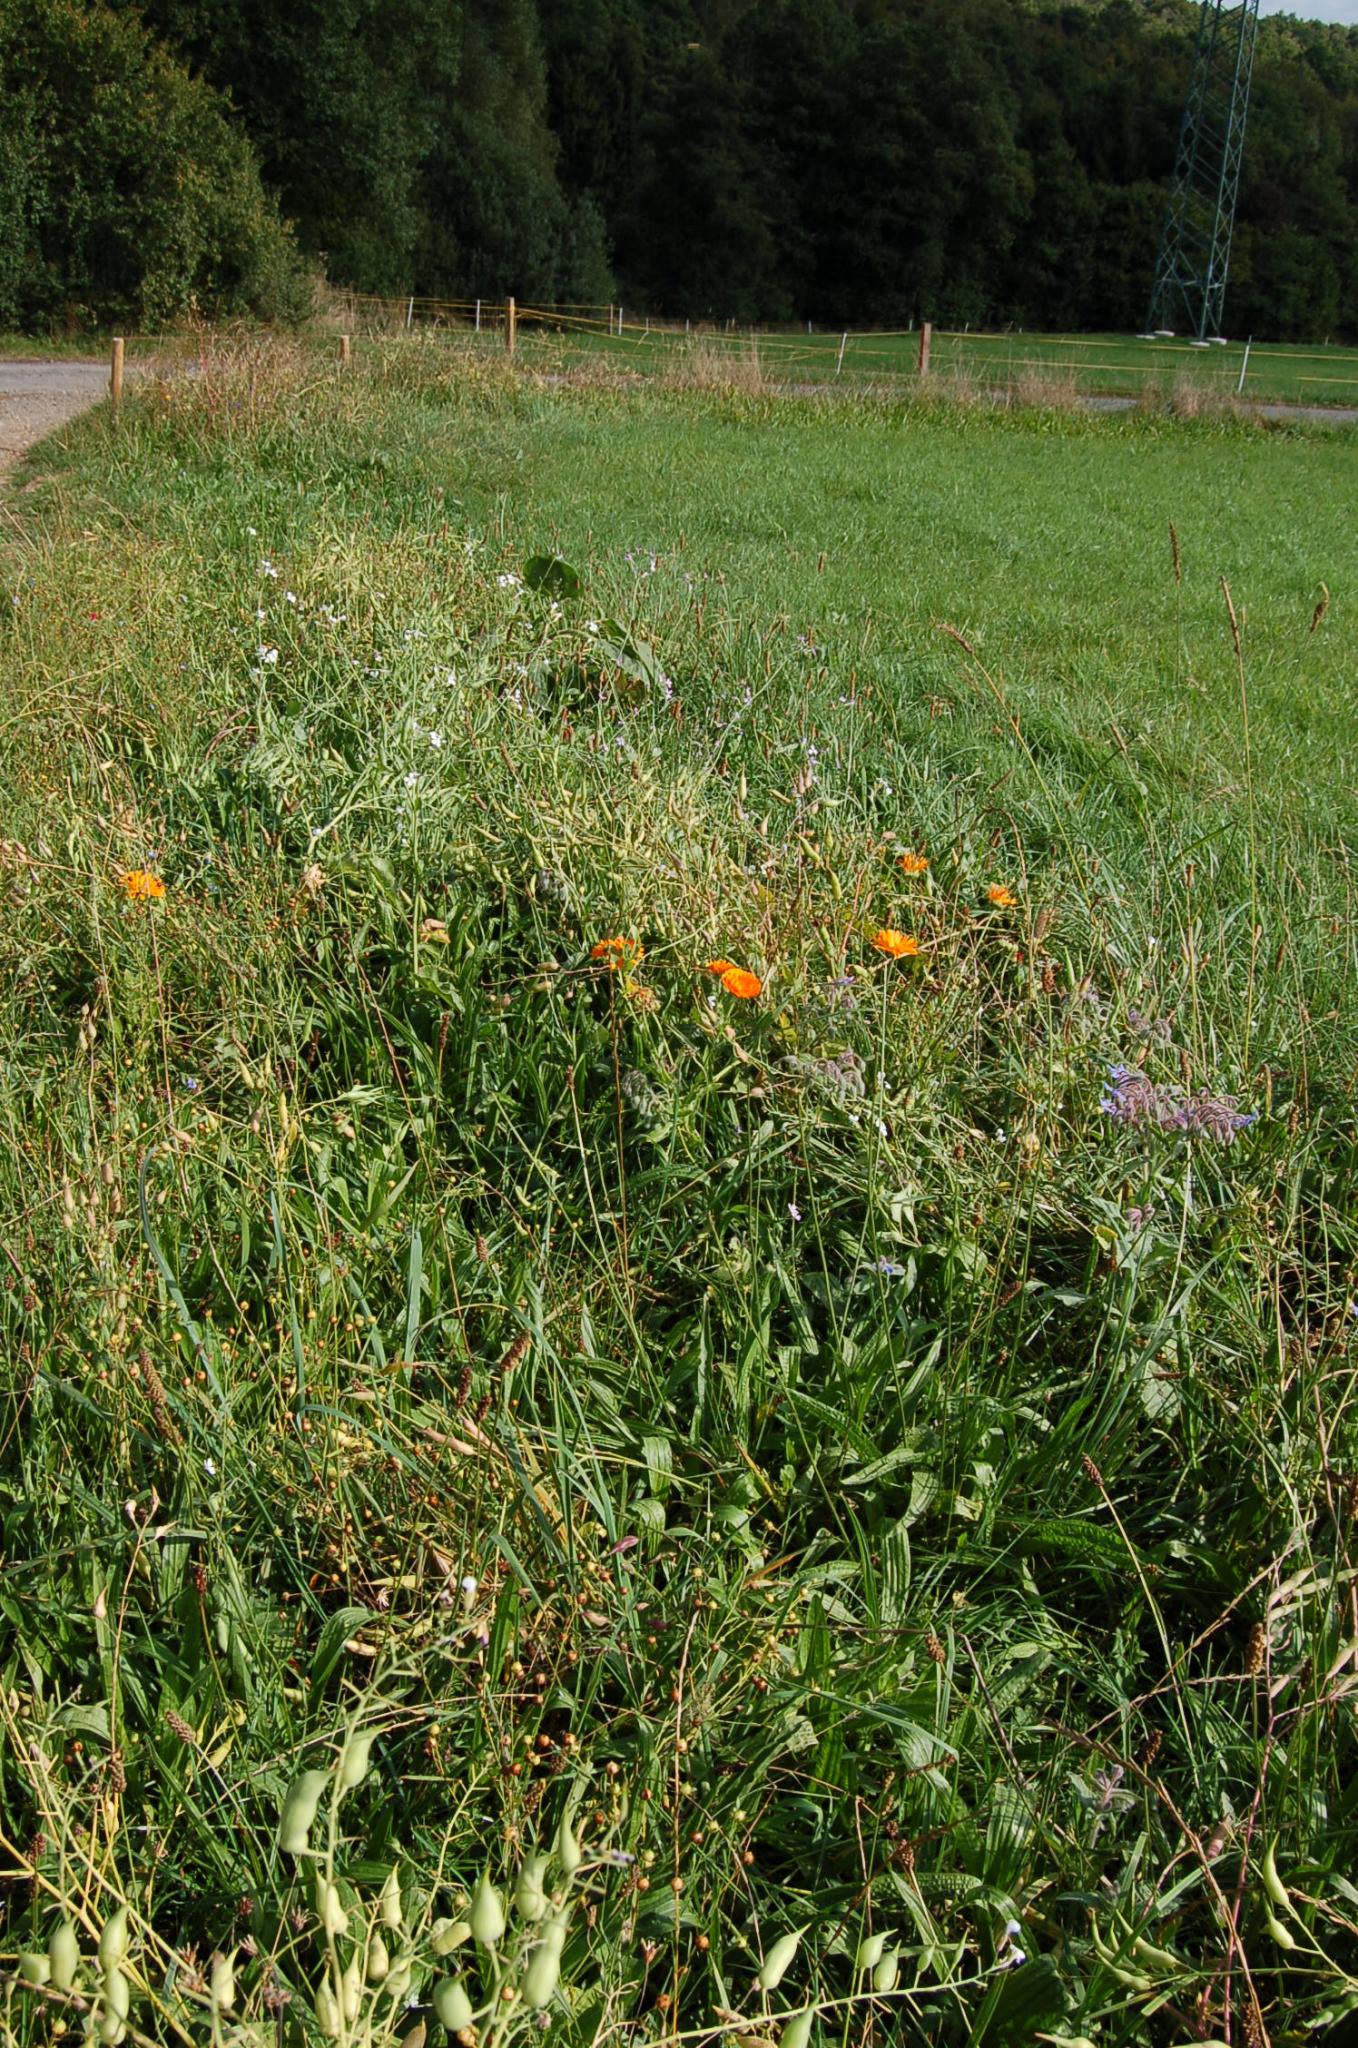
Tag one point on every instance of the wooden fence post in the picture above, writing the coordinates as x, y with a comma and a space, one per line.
346, 352
926, 335
511, 325
115, 374
410, 314
843, 344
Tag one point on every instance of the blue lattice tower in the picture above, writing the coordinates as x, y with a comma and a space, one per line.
1195, 249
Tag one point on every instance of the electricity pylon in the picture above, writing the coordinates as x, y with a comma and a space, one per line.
1195, 249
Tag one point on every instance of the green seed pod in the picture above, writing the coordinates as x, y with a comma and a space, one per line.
299, 1811
222, 1982
117, 2005
870, 1951
887, 1974
113, 1941
530, 1897
327, 2012
452, 2004
446, 1935
379, 1962
1273, 1884
398, 1983
63, 1952
330, 1908
569, 1854
353, 1763
776, 1962
35, 1968
487, 1913
1284, 1936
544, 1968
797, 2032
351, 1989
393, 1913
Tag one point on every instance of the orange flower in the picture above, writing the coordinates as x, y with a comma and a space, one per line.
913, 863
900, 945
738, 981
619, 952
142, 886
720, 966
1002, 897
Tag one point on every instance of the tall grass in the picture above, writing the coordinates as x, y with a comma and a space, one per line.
873, 1458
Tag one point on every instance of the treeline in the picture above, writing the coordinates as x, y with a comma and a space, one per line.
858, 161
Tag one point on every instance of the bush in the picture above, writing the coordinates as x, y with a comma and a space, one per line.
126, 194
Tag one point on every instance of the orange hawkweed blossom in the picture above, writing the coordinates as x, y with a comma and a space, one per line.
142, 886
738, 981
618, 952
913, 863
899, 945
1002, 896
720, 966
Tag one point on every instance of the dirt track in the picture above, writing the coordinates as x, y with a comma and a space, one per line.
38, 397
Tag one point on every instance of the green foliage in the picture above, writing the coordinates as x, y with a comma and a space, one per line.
126, 193
754, 1466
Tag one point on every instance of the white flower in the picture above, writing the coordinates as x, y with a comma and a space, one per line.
412, 780
268, 656
253, 532
435, 737
290, 597
266, 568
508, 581
210, 1468
591, 625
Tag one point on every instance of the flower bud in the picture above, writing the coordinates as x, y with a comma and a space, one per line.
487, 1913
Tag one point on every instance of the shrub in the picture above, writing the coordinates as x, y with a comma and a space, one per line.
126, 194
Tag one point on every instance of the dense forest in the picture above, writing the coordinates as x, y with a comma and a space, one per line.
863, 161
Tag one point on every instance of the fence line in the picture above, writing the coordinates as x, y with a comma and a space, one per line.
827, 354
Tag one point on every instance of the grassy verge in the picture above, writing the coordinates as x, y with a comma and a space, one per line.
869, 1458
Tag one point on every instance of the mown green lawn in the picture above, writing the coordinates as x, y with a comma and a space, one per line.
869, 1457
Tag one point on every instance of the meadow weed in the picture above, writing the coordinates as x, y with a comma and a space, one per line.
679, 1264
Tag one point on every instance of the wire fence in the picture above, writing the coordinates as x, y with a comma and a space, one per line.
1007, 362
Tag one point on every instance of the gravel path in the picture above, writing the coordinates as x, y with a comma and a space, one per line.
36, 398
